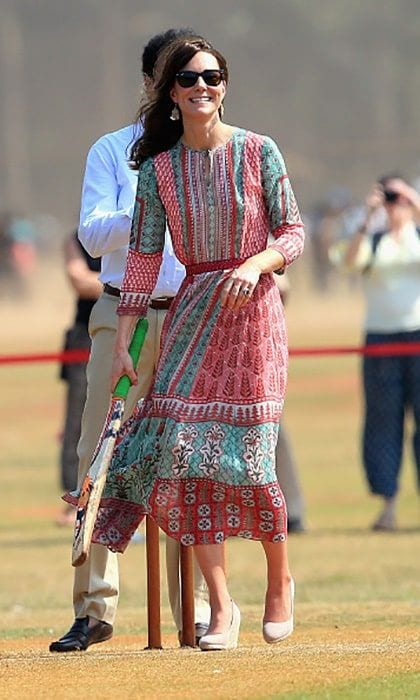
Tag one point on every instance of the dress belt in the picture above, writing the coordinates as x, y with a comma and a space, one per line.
212, 266
160, 303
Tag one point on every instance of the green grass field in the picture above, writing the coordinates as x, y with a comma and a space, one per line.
358, 592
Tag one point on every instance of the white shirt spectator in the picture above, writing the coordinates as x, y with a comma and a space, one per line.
108, 194
391, 281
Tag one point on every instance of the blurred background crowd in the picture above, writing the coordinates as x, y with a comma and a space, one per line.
335, 83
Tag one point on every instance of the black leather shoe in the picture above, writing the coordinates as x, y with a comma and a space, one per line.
80, 636
200, 630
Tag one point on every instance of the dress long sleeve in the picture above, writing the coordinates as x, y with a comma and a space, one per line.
285, 221
147, 241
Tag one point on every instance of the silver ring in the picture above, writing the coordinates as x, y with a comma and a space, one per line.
246, 291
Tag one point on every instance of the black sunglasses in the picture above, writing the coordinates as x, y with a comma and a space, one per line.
211, 76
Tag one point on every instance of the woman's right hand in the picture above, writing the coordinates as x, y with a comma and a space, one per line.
375, 198
122, 364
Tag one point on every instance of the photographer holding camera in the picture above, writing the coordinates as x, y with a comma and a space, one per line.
390, 262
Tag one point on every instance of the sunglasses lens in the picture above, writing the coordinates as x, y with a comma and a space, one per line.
212, 77
188, 78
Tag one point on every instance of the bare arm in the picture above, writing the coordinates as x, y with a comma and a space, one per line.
374, 201
85, 282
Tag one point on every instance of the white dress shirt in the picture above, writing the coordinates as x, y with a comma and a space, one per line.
108, 194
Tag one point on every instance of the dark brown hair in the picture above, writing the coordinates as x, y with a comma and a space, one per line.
159, 132
157, 43
391, 176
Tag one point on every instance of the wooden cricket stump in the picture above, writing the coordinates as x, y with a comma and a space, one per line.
154, 637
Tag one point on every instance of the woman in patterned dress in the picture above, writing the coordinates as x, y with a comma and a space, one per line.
199, 453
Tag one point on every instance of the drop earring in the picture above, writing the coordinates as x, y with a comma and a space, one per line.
221, 110
174, 116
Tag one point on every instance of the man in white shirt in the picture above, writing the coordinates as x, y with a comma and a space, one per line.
107, 207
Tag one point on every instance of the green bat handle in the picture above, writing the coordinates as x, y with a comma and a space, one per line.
124, 383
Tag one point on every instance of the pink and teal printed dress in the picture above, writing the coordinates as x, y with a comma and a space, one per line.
198, 455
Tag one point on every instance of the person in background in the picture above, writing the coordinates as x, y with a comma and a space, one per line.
82, 272
24, 234
18, 255
286, 467
7, 268
199, 455
390, 262
107, 206
327, 226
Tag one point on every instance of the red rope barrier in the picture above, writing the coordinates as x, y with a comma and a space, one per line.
380, 350
67, 357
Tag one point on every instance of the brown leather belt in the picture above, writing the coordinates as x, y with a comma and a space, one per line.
113, 291
161, 303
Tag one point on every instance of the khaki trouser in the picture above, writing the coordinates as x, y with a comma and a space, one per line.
96, 585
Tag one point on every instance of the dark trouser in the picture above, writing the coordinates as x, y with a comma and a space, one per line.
391, 386
75, 376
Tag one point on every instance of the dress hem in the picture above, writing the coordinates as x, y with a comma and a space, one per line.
196, 512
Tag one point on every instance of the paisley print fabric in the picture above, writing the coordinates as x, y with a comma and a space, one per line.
198, 453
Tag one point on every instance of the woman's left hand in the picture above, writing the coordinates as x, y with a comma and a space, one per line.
239, 286
404, 190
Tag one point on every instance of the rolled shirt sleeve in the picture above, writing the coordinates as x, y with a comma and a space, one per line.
105, 218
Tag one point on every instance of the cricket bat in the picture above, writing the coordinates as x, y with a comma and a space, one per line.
93, 485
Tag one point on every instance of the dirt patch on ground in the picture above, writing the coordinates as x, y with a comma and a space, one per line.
121, 668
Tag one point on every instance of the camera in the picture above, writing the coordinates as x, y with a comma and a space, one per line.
390, 196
